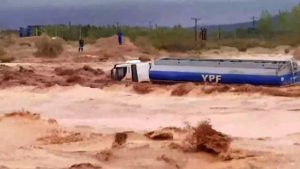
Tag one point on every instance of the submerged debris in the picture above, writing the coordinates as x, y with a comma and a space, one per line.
120, 139
61, 138
168, 160
84, 166
205, 138
22, 114
182, 89
143, 88
20, 76
159, 135
104, 155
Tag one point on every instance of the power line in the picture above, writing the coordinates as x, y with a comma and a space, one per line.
196, 27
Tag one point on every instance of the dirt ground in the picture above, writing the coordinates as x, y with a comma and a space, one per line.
75, 111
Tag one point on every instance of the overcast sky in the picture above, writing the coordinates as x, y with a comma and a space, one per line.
15, 13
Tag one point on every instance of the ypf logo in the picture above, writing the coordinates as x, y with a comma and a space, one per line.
212, 78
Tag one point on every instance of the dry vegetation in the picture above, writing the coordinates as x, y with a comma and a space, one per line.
8, 40
47, 47
4, 57
145, 45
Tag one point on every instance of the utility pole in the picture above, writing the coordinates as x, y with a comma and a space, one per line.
253, 25
253, 22
196, 27
80, 33
55, 30
36, 31
219, 32
117, 25
70, 24
150, 24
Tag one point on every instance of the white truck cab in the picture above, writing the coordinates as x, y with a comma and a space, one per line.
133, 70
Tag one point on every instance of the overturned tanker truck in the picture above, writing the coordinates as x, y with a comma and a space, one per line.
276, 72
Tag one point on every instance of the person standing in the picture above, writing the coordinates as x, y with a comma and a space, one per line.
81, 45
120, 38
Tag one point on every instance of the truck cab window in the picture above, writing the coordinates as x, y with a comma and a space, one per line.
295, 65
121, 72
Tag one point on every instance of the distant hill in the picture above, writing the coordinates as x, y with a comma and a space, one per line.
230, 27
233, 27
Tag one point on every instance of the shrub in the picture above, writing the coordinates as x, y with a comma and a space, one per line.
7, 40
145, 44
90, 41
47, 47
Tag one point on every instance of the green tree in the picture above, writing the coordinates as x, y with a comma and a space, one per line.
284, 21
295, 19
265, 24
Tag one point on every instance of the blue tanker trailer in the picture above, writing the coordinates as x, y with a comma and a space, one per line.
276, 72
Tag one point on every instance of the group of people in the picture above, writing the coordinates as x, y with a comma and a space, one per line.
82, 43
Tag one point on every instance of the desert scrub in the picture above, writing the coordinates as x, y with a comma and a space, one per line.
145, 44
47, 47
8, 40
